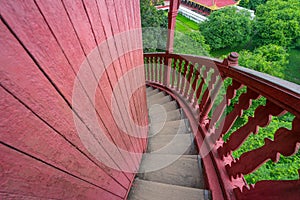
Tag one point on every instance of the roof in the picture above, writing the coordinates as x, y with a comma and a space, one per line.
215, 4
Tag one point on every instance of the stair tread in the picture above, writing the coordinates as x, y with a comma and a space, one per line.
161, 100
168, 128
156, 96
171, 144
182, 170
152, 92
171, 168
171, 115
165, 107
149, 190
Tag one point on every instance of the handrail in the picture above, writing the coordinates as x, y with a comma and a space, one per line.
195, 82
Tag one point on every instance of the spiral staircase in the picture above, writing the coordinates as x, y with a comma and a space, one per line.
171, 167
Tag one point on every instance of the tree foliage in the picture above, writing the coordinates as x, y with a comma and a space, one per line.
271, 59
154, 24
191, 43
227, 27
278, 22
251, 4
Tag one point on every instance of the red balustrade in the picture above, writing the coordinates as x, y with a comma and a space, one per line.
196, 82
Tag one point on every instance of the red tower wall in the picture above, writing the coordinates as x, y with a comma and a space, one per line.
60, 61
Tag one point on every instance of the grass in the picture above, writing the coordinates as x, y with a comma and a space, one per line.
293, 69
184, 24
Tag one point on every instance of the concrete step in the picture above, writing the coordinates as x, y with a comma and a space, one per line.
156, 96
148, 89
168, 106
166, 116
172, 144
161, 101
148, 190
182, 170
168, 128
152, 92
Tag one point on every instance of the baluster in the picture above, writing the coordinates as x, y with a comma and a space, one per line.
189, 79
194, 84
146, 61
286, 142
179, 74
244, 103
262, 117
152, 69
210, 95
161, 72
156, 64
183, 77
199, 90
174, 63
167, 70
208, 90
218, 112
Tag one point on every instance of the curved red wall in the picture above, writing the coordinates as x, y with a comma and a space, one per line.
61, 62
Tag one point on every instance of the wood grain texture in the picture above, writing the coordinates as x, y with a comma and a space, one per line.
47, 43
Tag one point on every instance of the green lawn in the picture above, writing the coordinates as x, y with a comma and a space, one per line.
293, 69
184, 24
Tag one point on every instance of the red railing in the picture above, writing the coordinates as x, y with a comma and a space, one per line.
197, 84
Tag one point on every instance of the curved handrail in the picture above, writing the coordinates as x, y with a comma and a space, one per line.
195, 81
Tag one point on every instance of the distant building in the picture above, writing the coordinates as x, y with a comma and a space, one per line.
207, 6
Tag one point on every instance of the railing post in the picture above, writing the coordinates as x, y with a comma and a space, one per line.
232, 60
173, 9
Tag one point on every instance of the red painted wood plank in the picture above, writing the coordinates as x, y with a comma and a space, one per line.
25, 131
23, 176
119, 48
129, 46
31, 86
92, 14
27, 23
79, 19
270, 190
119, 29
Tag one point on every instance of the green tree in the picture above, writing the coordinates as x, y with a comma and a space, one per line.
190, 43
154, 24
278, 22
251, 4
271, 59
227, 27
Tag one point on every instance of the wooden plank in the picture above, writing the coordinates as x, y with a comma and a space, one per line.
23, 175
122, 64
32, 87
25, 20
83, 30
19, 126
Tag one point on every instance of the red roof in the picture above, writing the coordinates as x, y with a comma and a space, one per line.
217, 3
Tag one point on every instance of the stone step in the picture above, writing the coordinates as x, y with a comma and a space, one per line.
148, 89
168, 128
149, 190
172, 144
166, 116
156, 96
162, 100
168, 106
152, 92
184, 170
